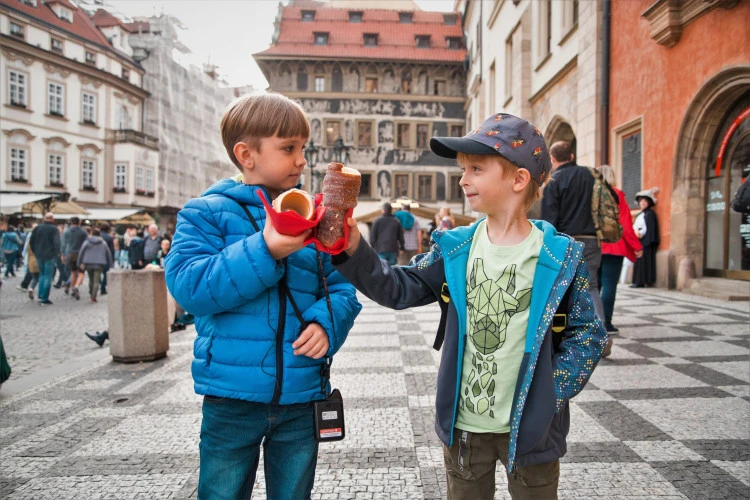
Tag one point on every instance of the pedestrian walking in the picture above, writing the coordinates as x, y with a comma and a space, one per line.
151, 243
93, 258
412, 234
646, 227
72, 241
566, 204
31, 278
11, 244
387, 235
505, 380
629, 246
45, 243
109, 240
270, 312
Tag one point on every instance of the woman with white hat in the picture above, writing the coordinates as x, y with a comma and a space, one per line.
646, 227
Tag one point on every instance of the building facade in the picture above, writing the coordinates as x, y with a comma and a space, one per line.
376, 84
72, 107
183, 111
540, 60
680, 108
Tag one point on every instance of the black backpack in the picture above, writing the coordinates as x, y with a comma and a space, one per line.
135, 253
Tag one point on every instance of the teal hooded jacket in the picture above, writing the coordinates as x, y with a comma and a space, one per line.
549, 375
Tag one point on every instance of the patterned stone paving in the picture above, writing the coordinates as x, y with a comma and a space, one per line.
666, 416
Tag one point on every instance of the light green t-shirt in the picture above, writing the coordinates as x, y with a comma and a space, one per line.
498, 294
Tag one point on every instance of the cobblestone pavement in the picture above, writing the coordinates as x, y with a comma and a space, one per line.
41, 337
666, 416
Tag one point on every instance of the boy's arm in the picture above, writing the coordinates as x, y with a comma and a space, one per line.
204, 276
344, 305
395, 287
583, 342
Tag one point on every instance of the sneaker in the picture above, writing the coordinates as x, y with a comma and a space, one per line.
58, 286
611, 328
45, 302
99, 338
67, 289
31, 294
103, 293
93, 299
19, 287
75, 294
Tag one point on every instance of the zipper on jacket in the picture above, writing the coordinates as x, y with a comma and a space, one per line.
280, 347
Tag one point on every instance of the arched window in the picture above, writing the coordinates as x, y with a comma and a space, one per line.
124, 118
337, 79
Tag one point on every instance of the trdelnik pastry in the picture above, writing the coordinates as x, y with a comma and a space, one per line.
340, 190
296, 200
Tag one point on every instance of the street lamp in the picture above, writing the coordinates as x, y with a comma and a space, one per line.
311, 157
340, 152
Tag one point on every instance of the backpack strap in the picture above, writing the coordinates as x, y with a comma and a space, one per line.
445, 298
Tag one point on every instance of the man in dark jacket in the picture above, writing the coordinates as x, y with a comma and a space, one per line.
111, 245
387, 235
566, 204
72, 240
45, 242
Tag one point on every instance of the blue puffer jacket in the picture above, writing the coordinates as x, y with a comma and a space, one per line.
220, 270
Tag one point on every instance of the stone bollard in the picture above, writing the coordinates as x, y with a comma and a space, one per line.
138, 315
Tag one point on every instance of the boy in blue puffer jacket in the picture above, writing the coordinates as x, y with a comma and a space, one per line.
519, 333
257, 363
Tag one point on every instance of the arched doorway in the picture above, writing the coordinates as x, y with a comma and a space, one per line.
701, 125
560, 130
728, 232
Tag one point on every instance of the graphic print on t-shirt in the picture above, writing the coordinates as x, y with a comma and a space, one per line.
492, 305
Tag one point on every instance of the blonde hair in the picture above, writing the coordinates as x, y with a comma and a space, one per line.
251, 118
533, 190
608, 173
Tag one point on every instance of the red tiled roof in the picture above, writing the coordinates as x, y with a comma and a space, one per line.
81, 25
104, 19
396, 41
138, 27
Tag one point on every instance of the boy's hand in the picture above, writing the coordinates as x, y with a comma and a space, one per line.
354, 236
281, 245
312, 342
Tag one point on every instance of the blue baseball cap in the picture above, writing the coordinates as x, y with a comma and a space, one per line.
511, 137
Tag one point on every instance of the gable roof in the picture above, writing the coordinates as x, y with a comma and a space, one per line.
103, 19
396, 41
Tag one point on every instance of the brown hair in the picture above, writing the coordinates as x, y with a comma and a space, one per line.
251, 118
533, 190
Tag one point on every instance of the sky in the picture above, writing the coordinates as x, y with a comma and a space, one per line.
227, 32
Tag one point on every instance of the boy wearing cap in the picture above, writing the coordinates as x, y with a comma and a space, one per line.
504, 382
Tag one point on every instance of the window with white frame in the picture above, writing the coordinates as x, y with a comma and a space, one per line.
88, 102
56, 99
124, 118
88, 174
17, 83
121, 177
19, 158
544, 35
509, 68
320, 84
55, 165
149, 180
140, 177
56, 45
90, 58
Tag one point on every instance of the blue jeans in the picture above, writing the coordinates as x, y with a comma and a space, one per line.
609, 275
10, 263
231, 435
103, 288
389, 257
46, 270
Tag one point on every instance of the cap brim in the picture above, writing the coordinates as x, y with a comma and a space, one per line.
449, 147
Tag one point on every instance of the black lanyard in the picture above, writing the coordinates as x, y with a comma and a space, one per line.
325, 370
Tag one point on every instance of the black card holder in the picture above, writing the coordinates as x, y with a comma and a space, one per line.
329, 418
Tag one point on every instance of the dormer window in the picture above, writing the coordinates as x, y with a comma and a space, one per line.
423, 41
16, 30
56, 45
405, 17
90, 58
454, 42
31, 3
63, 13
308, 16
355, 16
449, 19
321, 38
371, 39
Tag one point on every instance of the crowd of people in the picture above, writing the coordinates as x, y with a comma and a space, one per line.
61, 256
